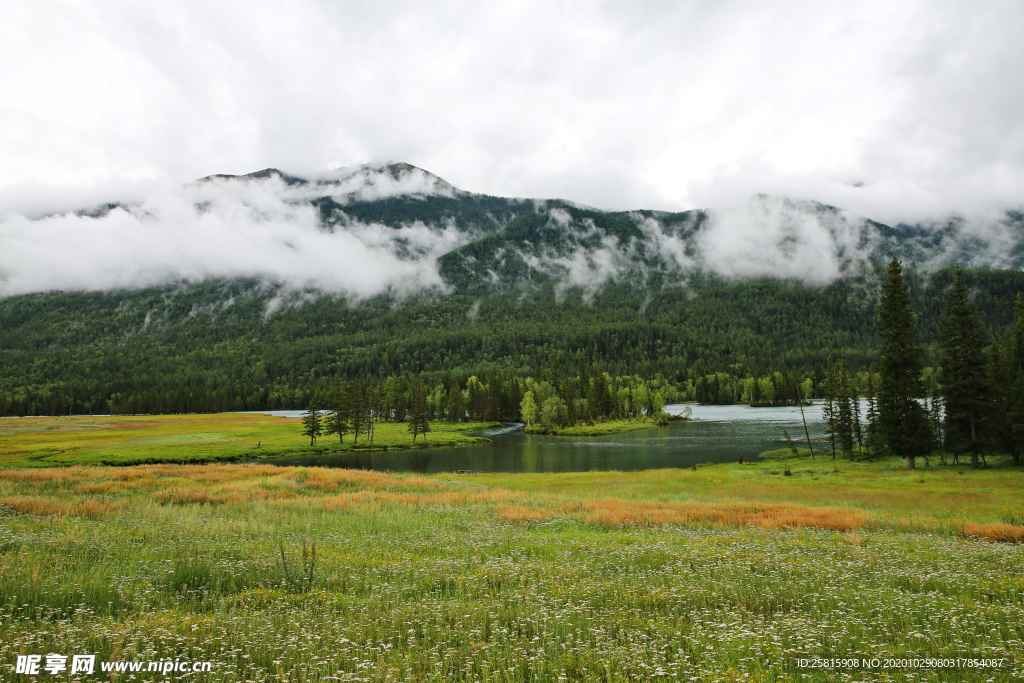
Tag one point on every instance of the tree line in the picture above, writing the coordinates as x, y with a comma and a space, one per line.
972, 403
217, 346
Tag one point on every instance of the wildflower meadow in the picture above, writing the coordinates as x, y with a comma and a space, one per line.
309, 574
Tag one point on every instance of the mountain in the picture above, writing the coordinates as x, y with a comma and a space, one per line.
246, 292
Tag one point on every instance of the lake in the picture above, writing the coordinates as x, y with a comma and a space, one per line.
713, 434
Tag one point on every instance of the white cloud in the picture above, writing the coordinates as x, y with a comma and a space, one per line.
256, 228
898, 111
769, 236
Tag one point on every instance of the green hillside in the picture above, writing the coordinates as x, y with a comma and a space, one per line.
531, 278
216, 339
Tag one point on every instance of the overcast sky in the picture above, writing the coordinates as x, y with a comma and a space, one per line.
896, 110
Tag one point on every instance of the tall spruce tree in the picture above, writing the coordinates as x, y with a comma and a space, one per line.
357, 409
313, 421
418, 422
456, 406
902, 423
1007, 385
965, 372
336, 420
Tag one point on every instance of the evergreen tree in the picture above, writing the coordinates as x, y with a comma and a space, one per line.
418, 423
456, 406
357, 409
312, 421
336, 420
902, 424
1007, 385
492, 410
585, 392
965, 372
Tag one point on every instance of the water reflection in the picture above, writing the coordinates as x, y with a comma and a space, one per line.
715, 434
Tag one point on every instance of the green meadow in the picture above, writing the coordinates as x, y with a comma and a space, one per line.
132, 440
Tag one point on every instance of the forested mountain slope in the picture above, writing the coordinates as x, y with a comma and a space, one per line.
774, 284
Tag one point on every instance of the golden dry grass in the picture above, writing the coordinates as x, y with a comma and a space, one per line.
50, 507
98, 492
614, 512
995, 532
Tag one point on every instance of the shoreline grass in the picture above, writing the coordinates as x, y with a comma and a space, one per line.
199, 438
602, 428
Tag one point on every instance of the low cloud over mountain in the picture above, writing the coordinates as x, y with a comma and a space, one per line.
398, 229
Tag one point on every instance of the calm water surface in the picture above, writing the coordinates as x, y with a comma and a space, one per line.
713, 434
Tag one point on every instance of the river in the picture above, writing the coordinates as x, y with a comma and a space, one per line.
713, 434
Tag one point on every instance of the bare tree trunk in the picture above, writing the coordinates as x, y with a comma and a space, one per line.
974, 445
806, 433
910, 463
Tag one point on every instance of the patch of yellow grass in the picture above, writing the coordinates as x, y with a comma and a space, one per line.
997, 532
616, 512
50, 507
95, 492
522, 513
770, 516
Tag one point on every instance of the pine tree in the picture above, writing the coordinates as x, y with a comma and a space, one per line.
456, 406
312, 421
357, 409
902, 424
964, 369
602, 402
1007, 385
336, 420
418, 423
585, 392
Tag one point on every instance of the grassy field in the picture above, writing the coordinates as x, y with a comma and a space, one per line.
117, 440
723, 574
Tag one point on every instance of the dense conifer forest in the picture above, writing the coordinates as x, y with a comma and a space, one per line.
244, 345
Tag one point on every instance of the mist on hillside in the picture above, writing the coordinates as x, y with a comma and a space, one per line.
266, 227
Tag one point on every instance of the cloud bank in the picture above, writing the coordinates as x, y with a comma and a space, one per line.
266, 226
898, 111
229, 228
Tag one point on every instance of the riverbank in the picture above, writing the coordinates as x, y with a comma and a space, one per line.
287, 574
189, 439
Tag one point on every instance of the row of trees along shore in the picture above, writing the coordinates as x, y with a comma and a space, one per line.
973, 403
558, 399
731, 384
